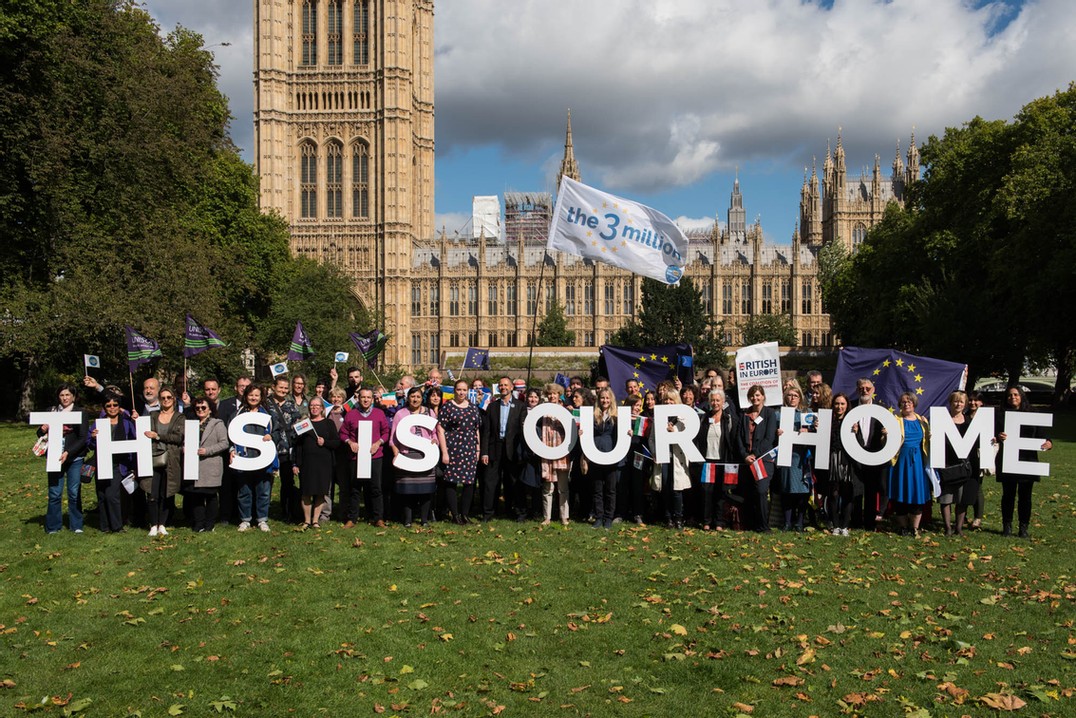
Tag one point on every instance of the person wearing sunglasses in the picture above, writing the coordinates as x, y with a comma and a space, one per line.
122, 428
167, 431
203, 497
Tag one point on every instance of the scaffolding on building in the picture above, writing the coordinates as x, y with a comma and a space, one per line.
527, 216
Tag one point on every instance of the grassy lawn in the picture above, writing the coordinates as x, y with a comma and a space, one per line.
514, 620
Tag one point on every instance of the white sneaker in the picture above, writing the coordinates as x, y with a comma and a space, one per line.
244, 526
836, 532
264, 526
152, 530
844, 532
162, 531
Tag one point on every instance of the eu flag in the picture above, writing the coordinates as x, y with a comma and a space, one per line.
649, 366
894, 372
476, 359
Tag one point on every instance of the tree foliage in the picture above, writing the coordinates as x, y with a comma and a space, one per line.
770, 328
122, 198
670, 314
553, 329
978, 266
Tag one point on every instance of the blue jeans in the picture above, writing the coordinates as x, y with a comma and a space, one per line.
258, 487
72, 476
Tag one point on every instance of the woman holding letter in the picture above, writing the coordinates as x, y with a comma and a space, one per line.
416, 488
121, 428
794, 483
755, 440
1016, 487
73, 441
909, 484
255, 487
716, 441
845, 487
167, 432
315, 456
203, 497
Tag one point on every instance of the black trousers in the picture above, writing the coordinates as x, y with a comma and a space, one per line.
291, 499
370, 490
603, 481
499, 478
109, 514
1016, 493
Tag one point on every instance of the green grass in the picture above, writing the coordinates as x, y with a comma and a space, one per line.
522, 621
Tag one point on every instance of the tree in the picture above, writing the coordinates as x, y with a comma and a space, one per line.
770, 328
553, 330
978, 266
670, 314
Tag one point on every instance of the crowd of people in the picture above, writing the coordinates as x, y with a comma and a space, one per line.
488, 470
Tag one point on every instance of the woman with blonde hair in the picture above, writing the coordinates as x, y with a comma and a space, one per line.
909, 484
604, 476
673, 478
554, 472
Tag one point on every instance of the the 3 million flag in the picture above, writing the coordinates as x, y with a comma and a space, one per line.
300, 347
140, 349
198, 338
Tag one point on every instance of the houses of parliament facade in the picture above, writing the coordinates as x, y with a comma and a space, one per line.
344, 142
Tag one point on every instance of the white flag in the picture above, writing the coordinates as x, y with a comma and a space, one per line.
92, 361
302, 426
626, 234
341, 356
278, 368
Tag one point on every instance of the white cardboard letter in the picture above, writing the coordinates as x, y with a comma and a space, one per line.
430, 454
664, 439
55, 420
623, 438
532, 437
141, 446
264, 451
364, 461
191, 439
819, 438
942, 429
1014, 443
890, 423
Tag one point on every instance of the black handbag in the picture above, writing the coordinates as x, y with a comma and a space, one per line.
956, 474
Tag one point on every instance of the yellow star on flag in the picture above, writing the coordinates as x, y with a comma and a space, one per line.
911, 367
653, 357
919, 391
900, 362
589, 233
877, 372
885, 363
919, 377
642, 359
604, 249
635, 374
636, 366
665, 360
594, 243
604, 205
615, 248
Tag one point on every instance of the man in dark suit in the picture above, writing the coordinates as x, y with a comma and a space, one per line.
869, 434
500, 428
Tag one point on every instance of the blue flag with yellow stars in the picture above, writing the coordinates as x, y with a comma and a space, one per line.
476, 359
894, 372
647, 365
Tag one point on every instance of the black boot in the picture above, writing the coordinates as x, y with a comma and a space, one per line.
1006, 530
1023, 532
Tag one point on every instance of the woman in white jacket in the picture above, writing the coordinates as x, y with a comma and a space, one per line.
673, 478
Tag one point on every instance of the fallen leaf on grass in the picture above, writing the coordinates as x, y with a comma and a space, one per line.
7, 683
743, 707
678, 629
806, 657
1002, 701
788, 681
579, 689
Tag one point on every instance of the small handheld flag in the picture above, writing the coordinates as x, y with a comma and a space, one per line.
389, 399
197, 338
303, 426
300, 347
91, 361
278, 368
640, 425
341, 357
562, 380
758, 468
140, 349
732, 474
709, 473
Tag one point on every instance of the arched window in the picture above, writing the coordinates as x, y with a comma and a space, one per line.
859, 233
334, 35
334, 180
310, 32
362, 32
308, 180
360, 180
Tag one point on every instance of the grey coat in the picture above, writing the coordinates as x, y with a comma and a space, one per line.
214, 439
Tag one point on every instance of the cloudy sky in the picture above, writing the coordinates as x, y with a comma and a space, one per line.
670, 97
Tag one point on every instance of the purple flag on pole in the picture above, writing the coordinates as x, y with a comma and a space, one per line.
370, 345
198, 338
300, 348
140, 349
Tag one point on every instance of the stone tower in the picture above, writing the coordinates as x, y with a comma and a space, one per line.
343, 125
568, 166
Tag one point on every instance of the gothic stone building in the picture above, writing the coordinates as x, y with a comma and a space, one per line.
344, 133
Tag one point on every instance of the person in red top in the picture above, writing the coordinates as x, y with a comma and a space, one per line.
349, 433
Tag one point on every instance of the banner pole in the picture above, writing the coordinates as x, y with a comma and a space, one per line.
534, 322
131, 374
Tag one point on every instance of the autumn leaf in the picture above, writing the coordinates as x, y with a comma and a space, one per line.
788, 681
1002, 701
678, 629
743, 707
806, 657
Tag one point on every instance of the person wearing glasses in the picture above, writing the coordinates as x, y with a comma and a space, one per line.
203, 497
315, 457
73, 440
909, 485
255, 487
167, 431
122, 428
869, 433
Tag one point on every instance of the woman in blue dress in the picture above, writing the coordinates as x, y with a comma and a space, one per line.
909, 485
794, 481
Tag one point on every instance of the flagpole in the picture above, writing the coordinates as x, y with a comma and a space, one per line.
534, 322
131, 374
379, 382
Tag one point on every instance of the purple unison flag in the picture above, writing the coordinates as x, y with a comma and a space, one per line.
370, 345
648, 365
140, 349
300, 348
894, 372
198, 338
